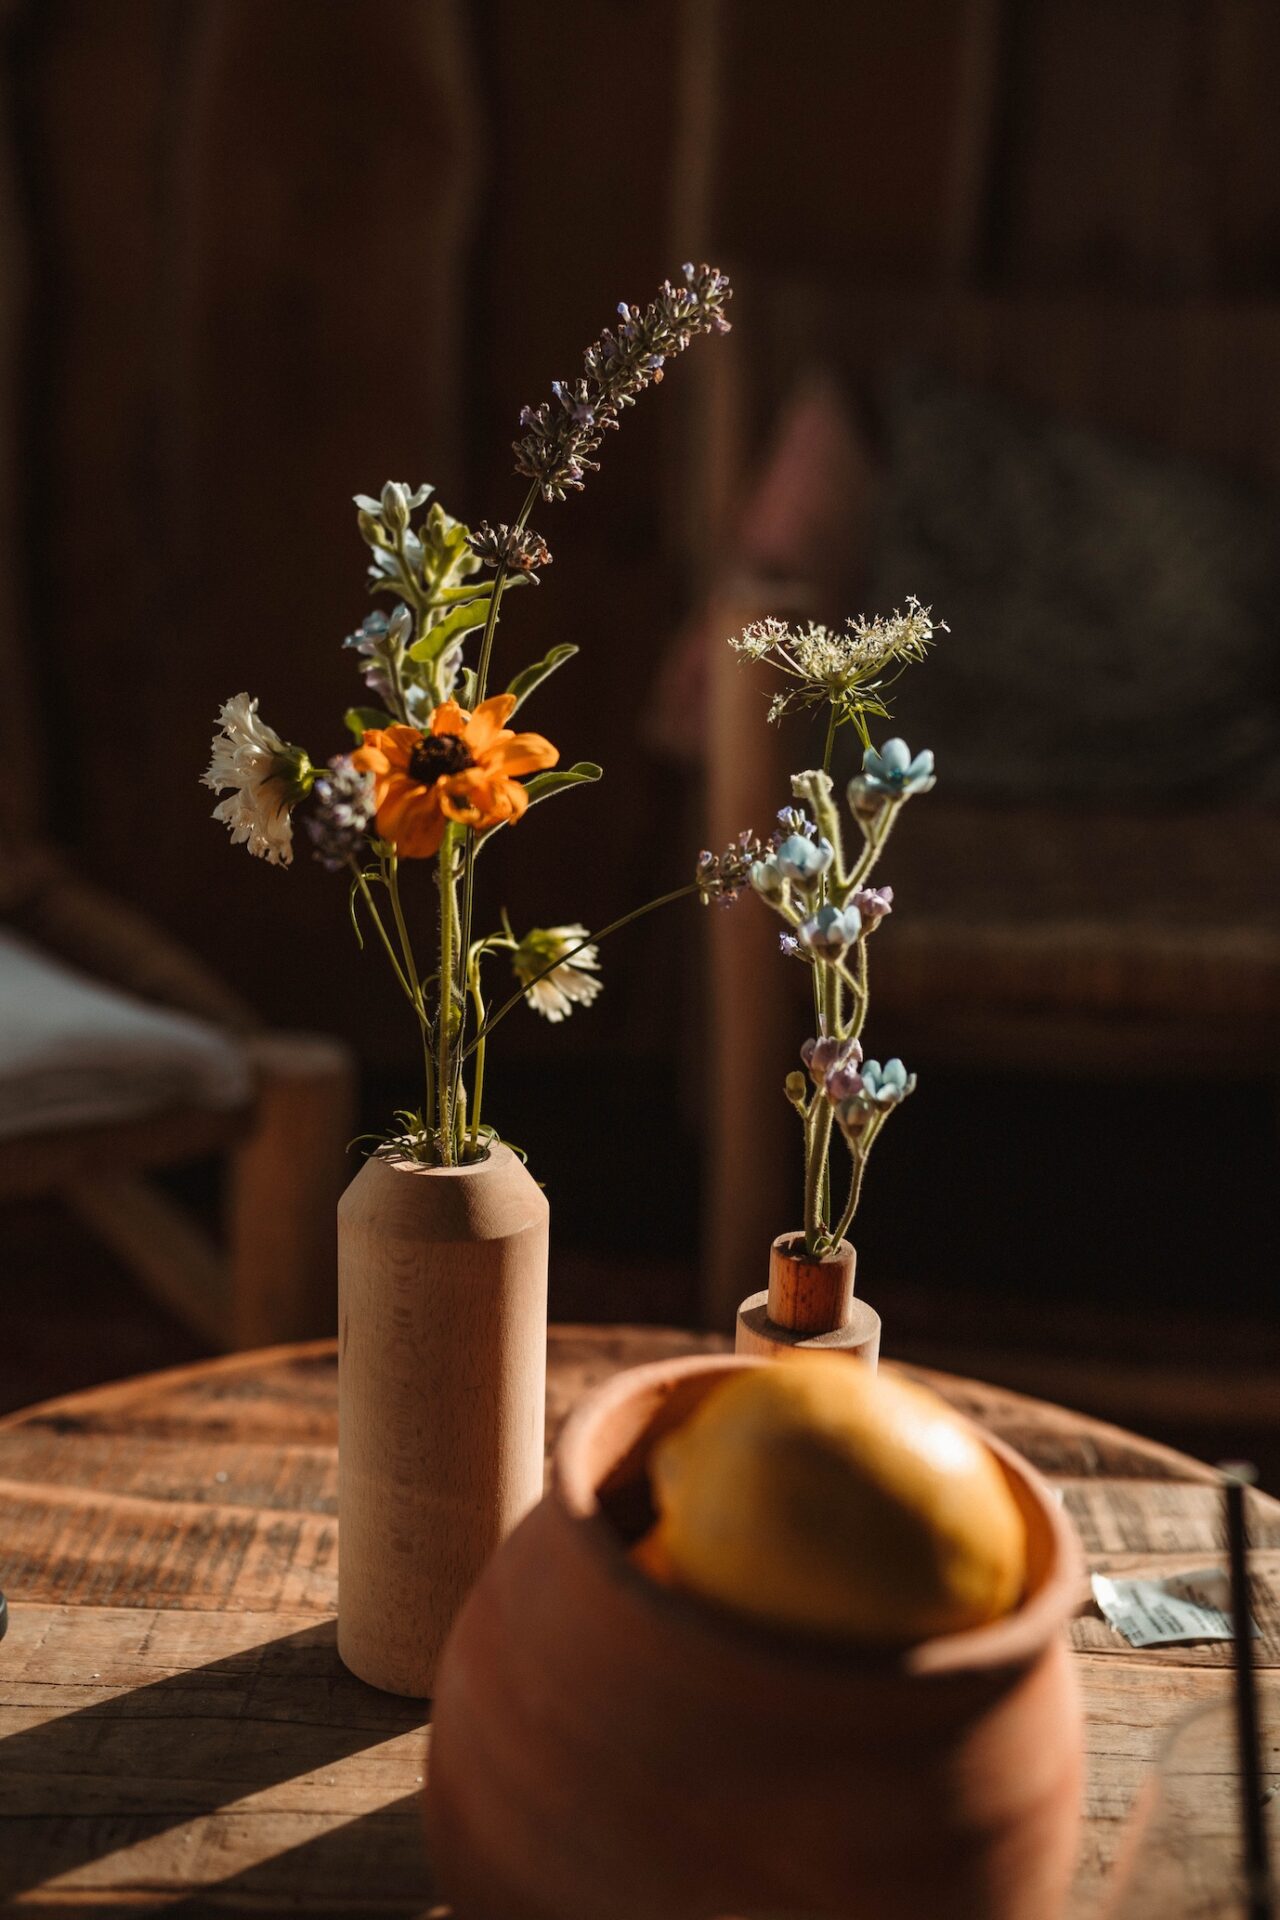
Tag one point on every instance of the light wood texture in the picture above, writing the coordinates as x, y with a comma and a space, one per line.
170, 1687
442, 1299
810, 1296
758, 1332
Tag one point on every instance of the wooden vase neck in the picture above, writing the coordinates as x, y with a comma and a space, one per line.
810, 1293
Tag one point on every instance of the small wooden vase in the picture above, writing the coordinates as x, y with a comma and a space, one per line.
808, 1303
442, 1359
603, 1745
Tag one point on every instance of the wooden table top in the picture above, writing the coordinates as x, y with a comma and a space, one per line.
177, 1732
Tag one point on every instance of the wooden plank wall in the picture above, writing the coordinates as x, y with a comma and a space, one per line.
275, 250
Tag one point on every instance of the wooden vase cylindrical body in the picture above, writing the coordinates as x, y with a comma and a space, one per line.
605, 1748
442, 1342
809, 1303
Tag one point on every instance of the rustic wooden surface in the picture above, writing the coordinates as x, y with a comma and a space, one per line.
176, 1731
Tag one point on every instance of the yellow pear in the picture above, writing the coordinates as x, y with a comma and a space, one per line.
813, 1493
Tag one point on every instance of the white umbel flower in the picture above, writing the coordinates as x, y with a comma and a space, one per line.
570, 983
263, 775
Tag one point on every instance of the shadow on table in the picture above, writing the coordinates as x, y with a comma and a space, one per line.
373, 1865
123, 1774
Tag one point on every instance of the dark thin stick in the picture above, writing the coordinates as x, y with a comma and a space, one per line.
1236, 1477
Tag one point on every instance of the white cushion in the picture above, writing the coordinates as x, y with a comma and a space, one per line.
74, 1053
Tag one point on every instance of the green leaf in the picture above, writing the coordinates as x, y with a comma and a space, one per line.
524, 683
433, 644
465, 691
360, 719
543, 785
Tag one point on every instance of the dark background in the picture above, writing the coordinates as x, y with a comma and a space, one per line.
263, 254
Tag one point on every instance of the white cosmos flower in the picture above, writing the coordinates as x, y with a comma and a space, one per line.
572, 982
263, 774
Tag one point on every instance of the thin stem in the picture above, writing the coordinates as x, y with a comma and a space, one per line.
448, 914
860, 1157
473, 981
428, 1065
383, 935
482, 681
829, 749
590, 939
816, 1184
881, 828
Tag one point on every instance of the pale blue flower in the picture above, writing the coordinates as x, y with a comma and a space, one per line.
804, 860
881, 1089
767, 878
889, 772
887, 1085
830, 931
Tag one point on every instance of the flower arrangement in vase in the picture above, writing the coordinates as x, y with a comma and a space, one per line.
443, 1233
831, 904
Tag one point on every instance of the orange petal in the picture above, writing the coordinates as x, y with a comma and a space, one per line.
449, 717
371, 758
409, 816
521, 753
488, 720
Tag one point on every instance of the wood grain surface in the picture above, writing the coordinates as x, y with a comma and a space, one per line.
178, 1734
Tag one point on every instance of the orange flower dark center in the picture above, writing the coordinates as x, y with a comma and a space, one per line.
436, 754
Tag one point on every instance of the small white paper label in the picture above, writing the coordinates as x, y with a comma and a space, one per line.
1159, 1613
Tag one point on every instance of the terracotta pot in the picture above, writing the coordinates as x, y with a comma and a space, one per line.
442, 1361
605, 1749
808, 1303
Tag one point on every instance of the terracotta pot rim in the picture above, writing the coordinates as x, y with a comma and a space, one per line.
493, 1155
785, 1245
1014, 1640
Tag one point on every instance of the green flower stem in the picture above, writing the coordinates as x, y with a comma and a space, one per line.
861, 1154
448, 960
392, 877
590, 939
862, 992
482, 682
881, 827
383, 935
816, 1176
477, 998
829, 749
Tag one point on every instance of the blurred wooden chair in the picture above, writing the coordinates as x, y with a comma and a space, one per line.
121, 1055
1127, 941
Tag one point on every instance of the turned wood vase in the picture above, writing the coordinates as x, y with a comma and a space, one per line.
604, 1748
442, 1344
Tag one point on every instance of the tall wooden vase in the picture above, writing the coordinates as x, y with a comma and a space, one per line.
442, 1345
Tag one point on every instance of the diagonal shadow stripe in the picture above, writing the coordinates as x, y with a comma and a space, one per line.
371, 1866
108, 1776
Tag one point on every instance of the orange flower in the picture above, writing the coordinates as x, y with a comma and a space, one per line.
463, 768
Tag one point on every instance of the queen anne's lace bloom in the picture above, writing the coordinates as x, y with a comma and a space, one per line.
848, 669
266, 778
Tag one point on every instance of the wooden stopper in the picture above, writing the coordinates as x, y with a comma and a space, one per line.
758, 1333
442, 1343
809, 1295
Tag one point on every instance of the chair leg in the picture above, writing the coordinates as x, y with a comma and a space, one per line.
285, 1178
178, 1263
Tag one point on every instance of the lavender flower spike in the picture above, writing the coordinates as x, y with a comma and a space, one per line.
341, 814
